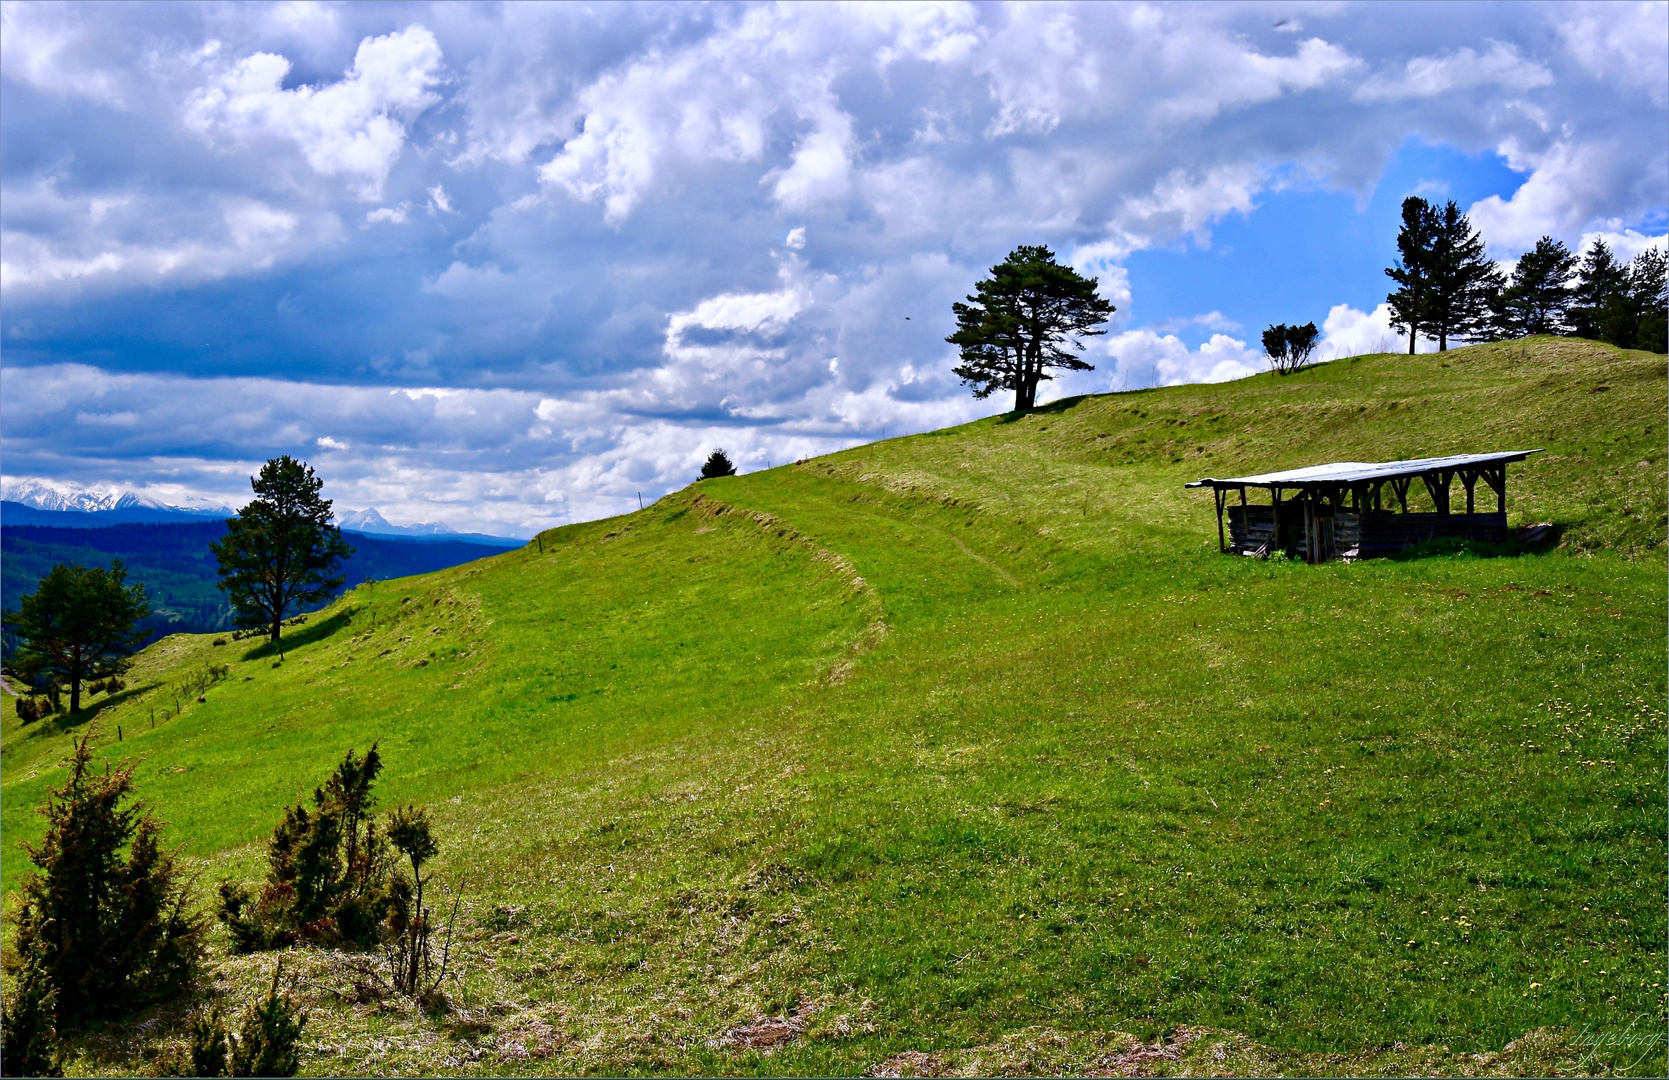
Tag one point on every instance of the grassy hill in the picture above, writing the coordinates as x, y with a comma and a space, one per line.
967, 751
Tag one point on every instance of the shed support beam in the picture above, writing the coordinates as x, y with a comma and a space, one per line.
1496, 478
1469, 478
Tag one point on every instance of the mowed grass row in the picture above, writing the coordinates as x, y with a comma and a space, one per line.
954, 737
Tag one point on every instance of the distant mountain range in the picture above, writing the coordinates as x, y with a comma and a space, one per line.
370, 522
29, 502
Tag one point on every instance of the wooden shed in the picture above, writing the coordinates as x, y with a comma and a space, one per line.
1358, 509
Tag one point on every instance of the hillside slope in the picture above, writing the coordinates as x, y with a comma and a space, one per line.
972, 736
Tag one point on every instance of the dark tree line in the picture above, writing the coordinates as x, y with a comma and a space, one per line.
1446, 287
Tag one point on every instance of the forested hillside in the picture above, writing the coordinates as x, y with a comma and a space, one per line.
174, 563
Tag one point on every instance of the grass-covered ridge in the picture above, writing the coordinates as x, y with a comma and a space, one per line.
972, 740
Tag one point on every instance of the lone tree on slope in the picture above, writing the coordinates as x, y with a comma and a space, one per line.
717, 464
80, 624
1024, 320
281, 551
1289, 347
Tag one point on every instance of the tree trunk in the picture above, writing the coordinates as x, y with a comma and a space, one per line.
1443, 341
75, 693
277, 625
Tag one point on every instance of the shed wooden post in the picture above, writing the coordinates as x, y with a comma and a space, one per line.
1222, 544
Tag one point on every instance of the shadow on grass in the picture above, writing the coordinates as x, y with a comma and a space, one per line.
1533, 542
64, 722
306, 635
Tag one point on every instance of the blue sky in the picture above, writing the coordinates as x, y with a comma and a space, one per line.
507, 266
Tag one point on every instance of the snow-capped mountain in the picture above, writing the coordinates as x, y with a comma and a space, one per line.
372, 523
42, 496
369, 521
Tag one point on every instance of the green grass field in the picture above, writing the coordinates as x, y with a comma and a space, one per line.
968, 752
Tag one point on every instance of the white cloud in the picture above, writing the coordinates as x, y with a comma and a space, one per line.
349, 128
234, 236
1463, 69
1145, 358
822, 165
440, 202
1622, 42
628, 191
1625, 244
1348, 332
45, 49
1570, 187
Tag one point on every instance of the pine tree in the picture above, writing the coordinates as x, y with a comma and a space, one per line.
718, 463
1461, 278
1535, 300
1024, 320
1412, 300
80, 624
1600, 307
106, 914
281, 552
1649, 300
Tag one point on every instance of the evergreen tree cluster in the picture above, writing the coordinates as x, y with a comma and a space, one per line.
1447, 288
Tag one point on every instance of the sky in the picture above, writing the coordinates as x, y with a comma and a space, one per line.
510, 266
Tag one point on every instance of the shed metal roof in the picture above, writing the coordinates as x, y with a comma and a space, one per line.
1355, 472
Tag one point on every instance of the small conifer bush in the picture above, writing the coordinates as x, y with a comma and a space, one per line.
106, 914
326, 870
28, 1032
267, 1043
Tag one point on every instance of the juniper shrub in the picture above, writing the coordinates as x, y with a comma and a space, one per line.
106, 916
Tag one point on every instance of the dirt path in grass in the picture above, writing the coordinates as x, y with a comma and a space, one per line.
975, 556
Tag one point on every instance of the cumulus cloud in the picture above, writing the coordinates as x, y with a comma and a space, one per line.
1570, 187
1147, 358
583, 244
1464, 69
1348, 332
349, 128
1625, 244
100, 244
